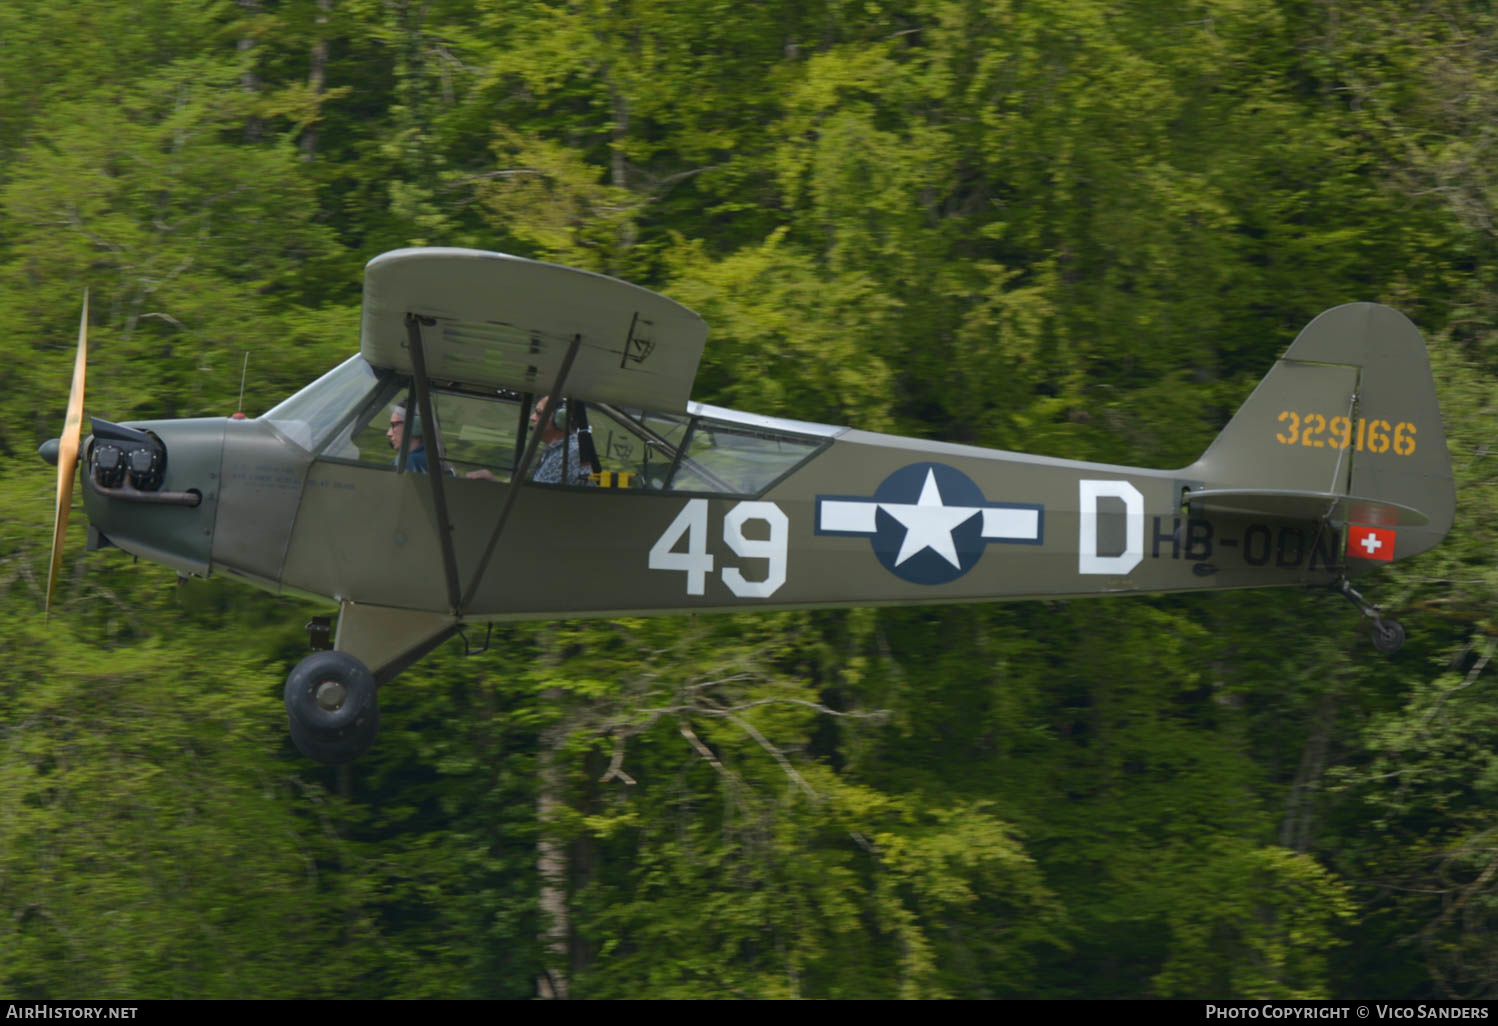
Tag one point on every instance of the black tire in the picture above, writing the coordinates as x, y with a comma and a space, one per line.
355, 703
1388, 636
335, 751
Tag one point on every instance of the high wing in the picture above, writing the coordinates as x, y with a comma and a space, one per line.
507, 322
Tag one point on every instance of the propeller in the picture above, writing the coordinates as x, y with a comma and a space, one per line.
67, 455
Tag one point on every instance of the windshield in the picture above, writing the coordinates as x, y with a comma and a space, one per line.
311, 416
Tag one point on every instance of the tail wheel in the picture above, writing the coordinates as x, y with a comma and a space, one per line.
1388, 636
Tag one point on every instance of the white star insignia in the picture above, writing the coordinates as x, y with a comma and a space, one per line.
928, 524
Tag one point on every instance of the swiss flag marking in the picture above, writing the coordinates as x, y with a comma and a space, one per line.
1370, 542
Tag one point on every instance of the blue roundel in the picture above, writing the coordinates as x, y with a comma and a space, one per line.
919, 544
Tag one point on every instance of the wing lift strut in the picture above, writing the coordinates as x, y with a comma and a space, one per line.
457, 598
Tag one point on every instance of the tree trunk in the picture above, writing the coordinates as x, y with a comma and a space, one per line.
248, 80
618, 163
1297, 829
317, 77
551, 860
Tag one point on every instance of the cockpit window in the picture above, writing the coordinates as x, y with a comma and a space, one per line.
356, 414
641, 445
480, 433
683, 453
473, 431
310, 417
738, 459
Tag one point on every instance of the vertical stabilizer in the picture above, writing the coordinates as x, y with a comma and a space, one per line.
1351, 410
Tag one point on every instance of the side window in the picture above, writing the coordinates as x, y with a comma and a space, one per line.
477, 436
681, 453
478, 433
737, 458
641, 445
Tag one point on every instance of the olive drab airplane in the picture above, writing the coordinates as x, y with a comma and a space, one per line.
516, 440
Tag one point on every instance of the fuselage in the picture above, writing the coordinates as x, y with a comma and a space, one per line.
866, 519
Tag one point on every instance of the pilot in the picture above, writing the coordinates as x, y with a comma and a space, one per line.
549, 465
416, 459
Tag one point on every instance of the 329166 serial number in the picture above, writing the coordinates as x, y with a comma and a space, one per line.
1316, 431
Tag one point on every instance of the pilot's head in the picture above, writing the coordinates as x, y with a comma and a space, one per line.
398, 426
551, 430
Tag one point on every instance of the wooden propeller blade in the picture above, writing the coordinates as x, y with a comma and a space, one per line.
67, 455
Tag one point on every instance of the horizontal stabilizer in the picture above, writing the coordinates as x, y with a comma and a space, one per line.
1304, 505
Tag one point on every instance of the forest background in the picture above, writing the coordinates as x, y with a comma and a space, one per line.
1080, 228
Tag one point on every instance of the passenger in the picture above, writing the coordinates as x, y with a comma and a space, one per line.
416, 459
549, 465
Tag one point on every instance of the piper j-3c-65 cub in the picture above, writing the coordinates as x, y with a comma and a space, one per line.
421, 487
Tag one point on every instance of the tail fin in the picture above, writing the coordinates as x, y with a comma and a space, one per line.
1345, 423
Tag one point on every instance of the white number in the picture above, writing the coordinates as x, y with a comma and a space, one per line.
772, 549
695, 562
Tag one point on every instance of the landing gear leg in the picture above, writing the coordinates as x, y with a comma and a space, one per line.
1388, 634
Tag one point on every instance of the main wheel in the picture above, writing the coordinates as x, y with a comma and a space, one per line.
330, 692
333, 708
1388, 636
336, 749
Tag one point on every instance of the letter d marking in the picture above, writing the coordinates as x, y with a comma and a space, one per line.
1088, 494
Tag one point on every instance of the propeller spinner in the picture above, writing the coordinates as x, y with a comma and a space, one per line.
67, 455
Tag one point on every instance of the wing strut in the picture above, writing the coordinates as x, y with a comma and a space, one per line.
522, 473
434, 467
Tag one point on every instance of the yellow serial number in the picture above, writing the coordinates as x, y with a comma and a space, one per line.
1315, 431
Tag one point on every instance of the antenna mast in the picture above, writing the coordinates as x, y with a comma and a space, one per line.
243, 370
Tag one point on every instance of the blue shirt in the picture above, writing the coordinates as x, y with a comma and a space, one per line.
416, 461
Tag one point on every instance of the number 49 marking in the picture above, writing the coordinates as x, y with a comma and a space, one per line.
696, 562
